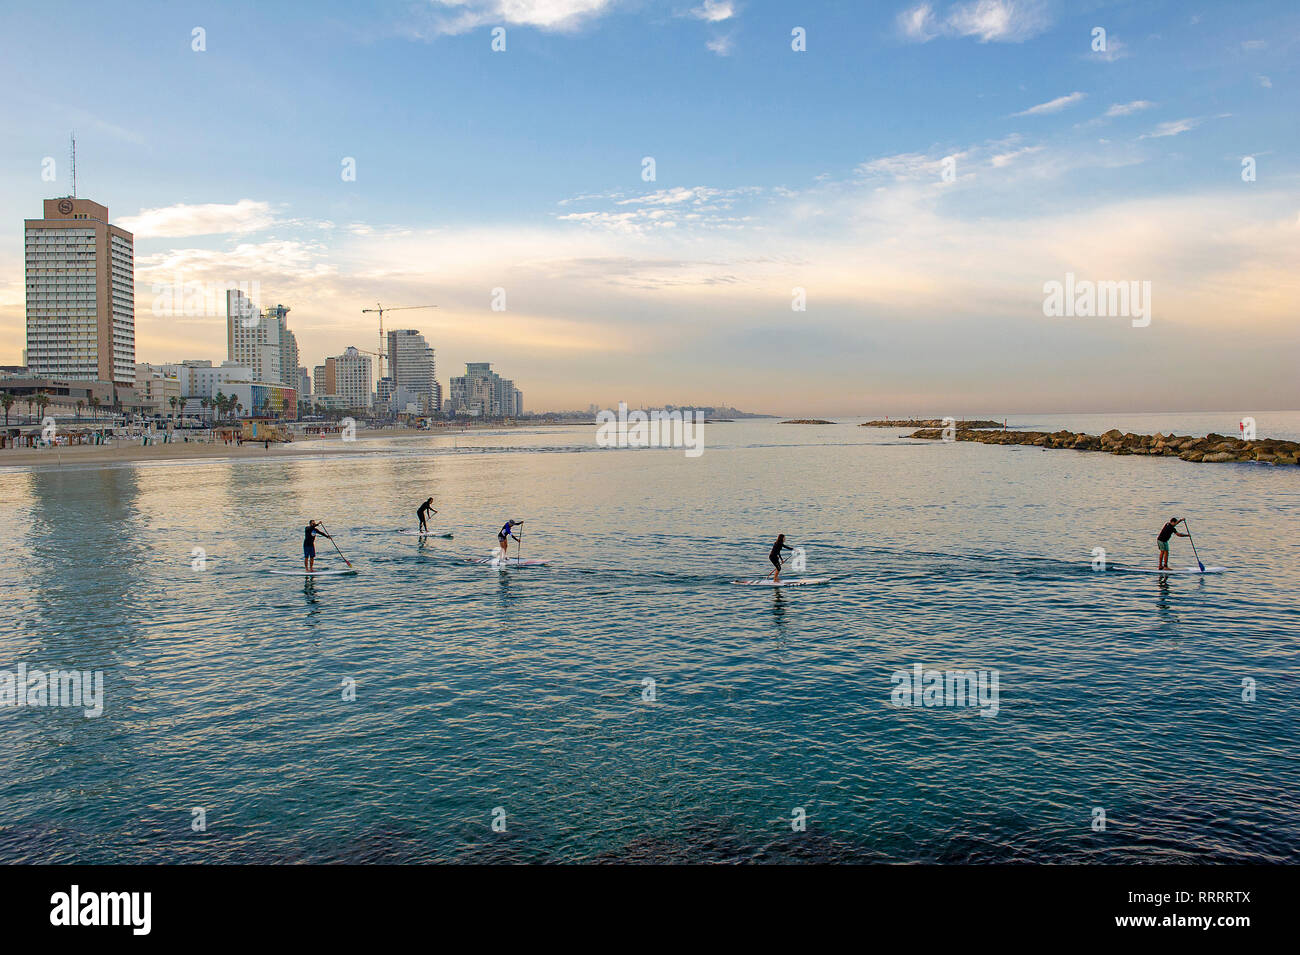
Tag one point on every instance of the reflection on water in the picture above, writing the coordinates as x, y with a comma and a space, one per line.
480, 687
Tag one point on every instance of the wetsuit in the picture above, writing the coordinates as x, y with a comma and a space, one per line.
309, 542
775, 555
421, 514
505, 531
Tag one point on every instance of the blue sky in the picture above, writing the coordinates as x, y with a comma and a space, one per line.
775, 169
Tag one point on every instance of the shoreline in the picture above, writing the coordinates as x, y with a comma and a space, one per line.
131, 451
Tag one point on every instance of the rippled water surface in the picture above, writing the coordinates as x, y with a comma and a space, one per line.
524, 690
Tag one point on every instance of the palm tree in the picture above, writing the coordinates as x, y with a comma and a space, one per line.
7, 399
219, 402
42, 402
94, 406
174, 401
81, 404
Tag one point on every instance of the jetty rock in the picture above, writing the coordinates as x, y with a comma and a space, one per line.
927, 423
1211, 449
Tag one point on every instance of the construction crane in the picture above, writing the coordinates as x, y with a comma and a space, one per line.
382, 353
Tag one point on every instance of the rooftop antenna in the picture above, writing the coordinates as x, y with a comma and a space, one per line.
74, 165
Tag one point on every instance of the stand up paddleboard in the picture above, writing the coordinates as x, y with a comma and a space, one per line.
425, 534
1173, 570
344, 572
793, 582
509, 561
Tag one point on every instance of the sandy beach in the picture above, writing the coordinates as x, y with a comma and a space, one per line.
124, 450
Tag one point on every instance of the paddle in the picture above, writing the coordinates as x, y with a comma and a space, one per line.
1193, 543
520, 541
336, 546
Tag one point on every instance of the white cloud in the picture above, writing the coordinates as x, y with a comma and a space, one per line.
1115, 50
903, 166
275, 260
1003, 21
697, 207
1173, 127
1264, 81
1007, 158
918, 23
714, 11
451, 17
721, 45
1053, 105
978, 162
1127, 109
246, 215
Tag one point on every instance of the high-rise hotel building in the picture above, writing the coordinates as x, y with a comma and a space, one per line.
80, 294
412, 365
253, 337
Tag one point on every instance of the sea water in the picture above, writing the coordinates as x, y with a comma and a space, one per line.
627, 702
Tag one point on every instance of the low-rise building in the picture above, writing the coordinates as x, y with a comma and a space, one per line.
347, 377
201, 381
157, 387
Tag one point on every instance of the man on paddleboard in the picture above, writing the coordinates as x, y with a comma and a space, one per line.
504, 535
1162, 542
309, 546
775, 556
425, 510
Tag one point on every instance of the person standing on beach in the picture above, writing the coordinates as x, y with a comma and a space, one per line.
775, 556
1162, 542
425, 510
309, 545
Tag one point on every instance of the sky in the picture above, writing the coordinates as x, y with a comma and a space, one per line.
671, 202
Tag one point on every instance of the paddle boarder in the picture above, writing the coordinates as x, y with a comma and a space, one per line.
309, 545
1162, 542
775, 557
426, 509
504, 535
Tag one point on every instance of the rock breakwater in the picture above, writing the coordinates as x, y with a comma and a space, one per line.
1211, 449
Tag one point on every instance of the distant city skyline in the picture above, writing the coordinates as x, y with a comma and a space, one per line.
915, 175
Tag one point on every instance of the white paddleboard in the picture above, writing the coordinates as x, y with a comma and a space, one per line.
1172, 570
510, 561
314, 573
793, 582
424, 534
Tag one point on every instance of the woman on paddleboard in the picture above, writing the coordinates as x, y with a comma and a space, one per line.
504, 535
425, 509
1162, 542
775, 556
309, 545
